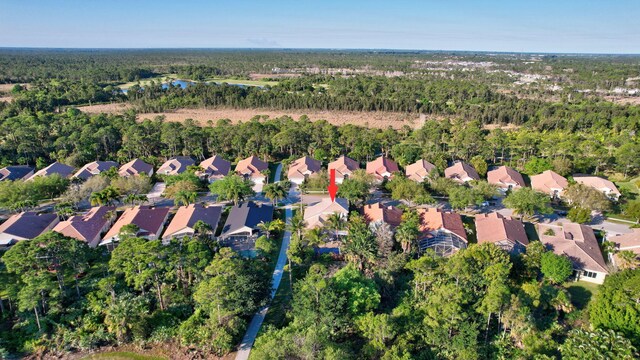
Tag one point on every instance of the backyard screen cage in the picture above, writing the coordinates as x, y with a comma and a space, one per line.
443, 243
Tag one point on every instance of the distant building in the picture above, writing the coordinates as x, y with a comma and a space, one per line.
317, 214
252, 169
215, 168
175, 166
378, 214
382, 168
420, 170
505, 232
461, 172
186, 217
579, 244
16, 172
135, 167
94, 168
302, 169
150, 222
25, 226
441, 231
65, 171
88, 227
243, 220
550, 183
344, 167
505, 178
603, 185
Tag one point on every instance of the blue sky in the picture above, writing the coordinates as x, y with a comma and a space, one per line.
586, 26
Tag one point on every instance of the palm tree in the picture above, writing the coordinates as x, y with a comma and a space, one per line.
336, 222
275, 191
297, 224
628, 259
184, 197
97, 198
202, 229
406, 236
315, 236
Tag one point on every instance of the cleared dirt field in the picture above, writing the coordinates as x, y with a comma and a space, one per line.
624, 100
6, 88
371, 119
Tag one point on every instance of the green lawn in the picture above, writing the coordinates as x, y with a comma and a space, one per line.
243, 82
122, 355
581, 293
162, 78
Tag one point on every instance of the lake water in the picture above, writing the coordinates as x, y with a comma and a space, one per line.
184, 84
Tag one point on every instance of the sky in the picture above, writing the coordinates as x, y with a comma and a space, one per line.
565, 26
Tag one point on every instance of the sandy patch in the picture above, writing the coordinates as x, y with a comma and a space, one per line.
6, 98
114, 108
6, 88
623, 100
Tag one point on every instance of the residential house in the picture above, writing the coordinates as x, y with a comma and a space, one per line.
88, 227
63, 170
16, 172
175, 166
382, 168
252, 169
626, 242
420, 170
25, 226
316, 215
135, 167
505, 232
579, 244
603, 185
505, 178
377, 214
94, 168
549, 182
461, 172
186, 217
215, 168
243, 220
344, 167
442, 231
150, 222
303, 168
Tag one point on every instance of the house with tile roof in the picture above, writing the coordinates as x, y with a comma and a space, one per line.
344, 167
603, 185
549, 182
94, 168
461, 172
16, 172
135, 167
382, 168
149, 220
243, 220
252, 169
626, 242
183, 222
442, 231
25, 226
378, 213
504, 231
316, 215
214, 168
420, 170
505, 178
65, 171
578, 243
88, 227
302, 169
175, 166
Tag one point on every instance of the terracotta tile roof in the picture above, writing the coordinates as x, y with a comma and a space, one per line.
494, 228
187, 216
135, 167
344, 166
548, 182
149, 220
15, 172
577, 242
176, 165
94, 168
432, 219
382, 167
246, 216
251, 167
379, 213
63, 170
215, 167
88, 226
317, 214
419, 170
629, 241
302, 167
26, 225
597, 182
504, 176
462, 172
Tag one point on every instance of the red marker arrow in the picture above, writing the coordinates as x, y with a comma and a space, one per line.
333, 188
